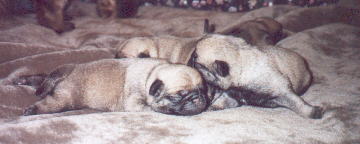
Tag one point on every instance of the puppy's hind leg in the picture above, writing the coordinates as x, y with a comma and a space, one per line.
50, 104
298, 105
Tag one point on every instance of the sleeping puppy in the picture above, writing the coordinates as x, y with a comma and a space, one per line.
264, 76
50, 13
122, 85
260, 31
173, 49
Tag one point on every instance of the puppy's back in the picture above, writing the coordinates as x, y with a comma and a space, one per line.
292, 65
97, 84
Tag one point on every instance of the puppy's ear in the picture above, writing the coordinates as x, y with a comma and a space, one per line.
120, 55
156, 87
212, 28
267, 38
205, 72
192, 59
222, 68
143, 55
208, 28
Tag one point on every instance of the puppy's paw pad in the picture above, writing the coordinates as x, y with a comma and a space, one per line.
317, 113
30, 110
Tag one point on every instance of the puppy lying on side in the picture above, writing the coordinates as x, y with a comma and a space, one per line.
121, 85
173, 49
263, 76
236, 73
260, 31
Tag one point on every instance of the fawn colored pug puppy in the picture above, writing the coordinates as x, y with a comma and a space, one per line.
121, 85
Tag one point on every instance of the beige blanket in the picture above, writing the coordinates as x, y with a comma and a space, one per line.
331, 46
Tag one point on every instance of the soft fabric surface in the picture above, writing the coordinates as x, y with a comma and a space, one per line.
332, 50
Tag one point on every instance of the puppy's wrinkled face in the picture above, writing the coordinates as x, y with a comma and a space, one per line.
178, 90
137, 48
214, 58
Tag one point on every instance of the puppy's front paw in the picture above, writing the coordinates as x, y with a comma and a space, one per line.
317, 112
30, 110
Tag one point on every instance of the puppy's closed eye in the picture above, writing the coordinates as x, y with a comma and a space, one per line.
222, 68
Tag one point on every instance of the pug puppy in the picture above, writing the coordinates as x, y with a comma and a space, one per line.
174, 49
259, 76
260, 31
123, 85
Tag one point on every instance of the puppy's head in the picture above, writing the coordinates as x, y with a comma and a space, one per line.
215, 56
140, 47
252, 32
176, 89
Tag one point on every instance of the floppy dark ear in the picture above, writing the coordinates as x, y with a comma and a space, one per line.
208, 28
143, 55
205, 72
267, 38
222, 68
212, 28
155, 87
192, 59
120, 55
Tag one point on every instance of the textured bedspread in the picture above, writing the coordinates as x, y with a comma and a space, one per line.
330, 44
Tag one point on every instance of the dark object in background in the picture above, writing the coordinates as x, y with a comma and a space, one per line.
127, 8
24, 6
106, 8
117, 8
149, 2
51, 13
17, 7
235, 5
